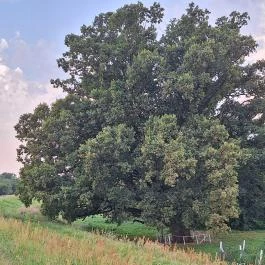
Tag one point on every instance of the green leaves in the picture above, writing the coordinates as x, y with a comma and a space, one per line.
108, 162
196, 165
164, 152
150, 127
104, 50
8, 183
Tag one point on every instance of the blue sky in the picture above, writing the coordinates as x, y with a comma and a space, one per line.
32, 38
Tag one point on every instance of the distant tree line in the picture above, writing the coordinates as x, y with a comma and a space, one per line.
168, 131
8, 183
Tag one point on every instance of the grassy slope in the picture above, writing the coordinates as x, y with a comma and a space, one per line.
10, 205
42, 242
255, 240
31, 244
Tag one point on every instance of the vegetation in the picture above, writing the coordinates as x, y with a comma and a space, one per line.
45, 242
24, 244
150, 129
127, 229
254, 242
10, 206
8, 183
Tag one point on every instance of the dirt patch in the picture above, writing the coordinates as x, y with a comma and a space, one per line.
30, 210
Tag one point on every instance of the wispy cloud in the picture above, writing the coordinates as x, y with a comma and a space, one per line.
3, 44
18, 95
37, 59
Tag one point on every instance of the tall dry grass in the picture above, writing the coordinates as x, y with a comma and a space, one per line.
30, 244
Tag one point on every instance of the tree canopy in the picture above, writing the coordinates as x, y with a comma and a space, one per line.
151, 128
8, 183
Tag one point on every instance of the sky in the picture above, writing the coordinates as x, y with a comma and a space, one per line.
32, 38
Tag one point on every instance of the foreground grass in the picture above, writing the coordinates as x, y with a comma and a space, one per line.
30, 244
10, 206
4, 260
28, 238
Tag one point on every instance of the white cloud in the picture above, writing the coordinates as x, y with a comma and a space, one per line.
18, 93
37, 59
19, 70
16, 98
3, 44
17, 34
21, 64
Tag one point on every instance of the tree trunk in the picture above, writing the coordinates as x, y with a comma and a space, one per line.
180, 234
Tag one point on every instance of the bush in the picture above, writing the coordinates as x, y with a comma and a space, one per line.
8, 183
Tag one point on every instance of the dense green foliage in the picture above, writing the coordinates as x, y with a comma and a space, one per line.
246, 121
8, 183
150, 128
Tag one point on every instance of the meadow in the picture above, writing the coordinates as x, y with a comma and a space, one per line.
27, 237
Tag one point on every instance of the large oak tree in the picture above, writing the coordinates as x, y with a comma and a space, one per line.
145, 130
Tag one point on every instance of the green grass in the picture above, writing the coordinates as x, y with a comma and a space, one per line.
4, 260
255, 240
9, 205
31, 239
126, 229
28, 244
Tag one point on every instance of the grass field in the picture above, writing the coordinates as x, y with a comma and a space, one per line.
30, 239
255, 240
10, 206
78, 234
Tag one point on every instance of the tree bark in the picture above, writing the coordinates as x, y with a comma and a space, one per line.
180, 234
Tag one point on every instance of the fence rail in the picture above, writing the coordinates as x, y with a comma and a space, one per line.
198, 238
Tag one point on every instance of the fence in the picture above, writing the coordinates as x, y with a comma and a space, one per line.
195, 237
240, 257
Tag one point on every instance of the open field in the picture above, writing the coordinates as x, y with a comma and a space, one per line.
25, 243
43, 242
78, 233
255, 240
